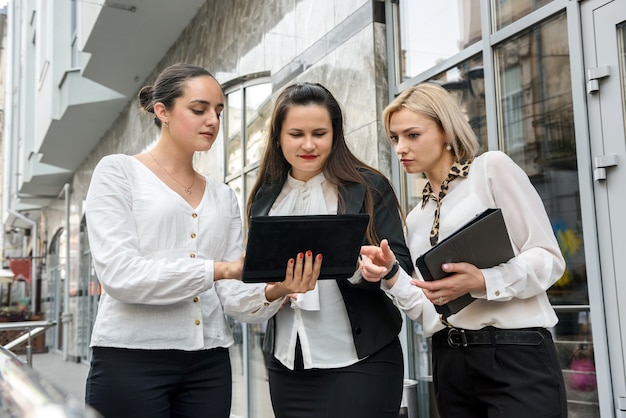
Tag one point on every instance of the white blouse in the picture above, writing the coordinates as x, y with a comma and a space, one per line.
153, 254
516, 291
319, 317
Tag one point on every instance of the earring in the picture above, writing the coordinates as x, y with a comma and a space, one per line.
448, 147
166, 124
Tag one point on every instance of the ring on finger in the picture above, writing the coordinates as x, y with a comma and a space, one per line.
440, 300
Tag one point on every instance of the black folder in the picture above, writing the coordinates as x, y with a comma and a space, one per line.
273, 240
484, 242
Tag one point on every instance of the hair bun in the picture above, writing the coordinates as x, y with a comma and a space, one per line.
145, 98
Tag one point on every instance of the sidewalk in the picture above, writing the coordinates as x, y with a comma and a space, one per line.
67, 376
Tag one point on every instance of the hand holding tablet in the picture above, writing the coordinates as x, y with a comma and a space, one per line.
273, 240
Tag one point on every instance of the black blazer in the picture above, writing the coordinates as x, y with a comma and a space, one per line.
374, 319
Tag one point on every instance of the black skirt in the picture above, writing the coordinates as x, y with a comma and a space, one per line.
371, 387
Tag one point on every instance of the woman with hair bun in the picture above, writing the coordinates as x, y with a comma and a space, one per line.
164, 241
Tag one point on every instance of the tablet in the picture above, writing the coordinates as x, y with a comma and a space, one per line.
273, 240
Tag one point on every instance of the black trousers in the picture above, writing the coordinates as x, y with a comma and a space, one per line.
159, 383
498, 380
371, 388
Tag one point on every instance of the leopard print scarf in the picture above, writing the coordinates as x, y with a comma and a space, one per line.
458, 169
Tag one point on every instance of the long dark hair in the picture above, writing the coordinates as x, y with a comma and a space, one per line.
169, 86
342, 167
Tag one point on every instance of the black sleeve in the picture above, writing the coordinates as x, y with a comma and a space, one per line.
388, 222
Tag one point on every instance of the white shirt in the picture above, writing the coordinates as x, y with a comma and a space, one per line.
516, 291
325, 333
153, 254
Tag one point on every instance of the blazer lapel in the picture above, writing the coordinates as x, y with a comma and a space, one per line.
353, 196
264, 199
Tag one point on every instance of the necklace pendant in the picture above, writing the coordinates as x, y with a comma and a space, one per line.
187, 190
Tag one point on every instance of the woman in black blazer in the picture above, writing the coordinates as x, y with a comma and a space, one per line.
334, 350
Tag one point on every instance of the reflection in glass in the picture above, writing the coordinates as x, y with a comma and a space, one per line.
577, 357
88, 294
250, 178
433, 31
258, 109
508, 11
536, 129
466, 83
260, 401
235, 351
237, 185
234, 109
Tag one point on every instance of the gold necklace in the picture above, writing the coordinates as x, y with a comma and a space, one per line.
187, 189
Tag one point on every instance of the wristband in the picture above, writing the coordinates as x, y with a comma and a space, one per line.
393, 271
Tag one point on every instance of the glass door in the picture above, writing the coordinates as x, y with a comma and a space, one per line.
604, 30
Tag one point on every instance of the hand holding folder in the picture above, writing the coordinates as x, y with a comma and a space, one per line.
483, 242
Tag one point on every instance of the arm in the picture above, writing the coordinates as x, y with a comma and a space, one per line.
389, 225
401, 287
389, 228
258, 302
538, 263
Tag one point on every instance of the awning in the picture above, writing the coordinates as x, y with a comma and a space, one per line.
6, 276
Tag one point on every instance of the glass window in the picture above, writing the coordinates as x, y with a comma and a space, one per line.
234, 114
508, 11
248, 111
260, 401
433, 31
89, 294
236, 352
536, 128
53, 304
466, 83
258, 109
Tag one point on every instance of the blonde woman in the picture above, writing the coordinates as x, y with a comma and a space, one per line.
495, 357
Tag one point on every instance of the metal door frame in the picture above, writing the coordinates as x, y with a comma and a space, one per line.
600, 74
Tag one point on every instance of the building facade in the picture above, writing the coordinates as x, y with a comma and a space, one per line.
542, 80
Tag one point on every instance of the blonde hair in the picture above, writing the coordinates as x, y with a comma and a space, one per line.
434, 102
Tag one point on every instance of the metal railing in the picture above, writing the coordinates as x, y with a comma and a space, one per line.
33, 329
25, 394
